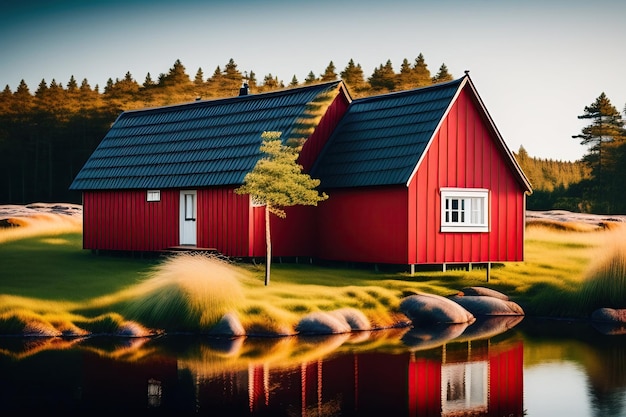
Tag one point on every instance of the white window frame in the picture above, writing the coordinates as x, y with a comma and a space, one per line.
153, 195
470, 213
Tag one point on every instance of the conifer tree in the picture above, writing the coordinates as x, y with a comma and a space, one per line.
231, 81
310, 78
271, 83
442, 75
148, 82
89, 99
607, 125
383, 77
23, 100
128, 86
352, 75
198, 80
109, 85
406, 76
294, 81
252, 80
277, 181
177, 76
422, 74
72, 85
604, 136
6, 101
330, 73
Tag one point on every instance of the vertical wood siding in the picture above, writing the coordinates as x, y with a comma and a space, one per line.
224, 221
364, 225
464, 153
295, 234
124, 220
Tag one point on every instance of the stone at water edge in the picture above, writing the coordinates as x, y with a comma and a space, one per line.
229, 325
321, 322
483, 291
355, 318
433, 309
488, 306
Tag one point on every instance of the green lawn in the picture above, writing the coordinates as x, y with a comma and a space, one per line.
57, 268
49, 276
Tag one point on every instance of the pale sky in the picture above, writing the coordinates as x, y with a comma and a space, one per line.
536, 64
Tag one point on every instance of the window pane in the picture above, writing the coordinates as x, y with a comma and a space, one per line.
464, 210
189, 206
153, 195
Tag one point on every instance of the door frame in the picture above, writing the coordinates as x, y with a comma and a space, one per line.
188, 222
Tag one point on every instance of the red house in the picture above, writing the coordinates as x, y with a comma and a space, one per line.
414, 177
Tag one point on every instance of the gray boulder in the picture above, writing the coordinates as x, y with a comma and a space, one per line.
321, 322
427, 309
488, 306
229, 325
353, 317
483, 291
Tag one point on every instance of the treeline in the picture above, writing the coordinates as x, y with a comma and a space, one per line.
556, 184
597, 183
46, 136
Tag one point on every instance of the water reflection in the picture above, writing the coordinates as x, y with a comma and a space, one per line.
449, 371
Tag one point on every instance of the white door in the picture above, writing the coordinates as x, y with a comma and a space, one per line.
188, 208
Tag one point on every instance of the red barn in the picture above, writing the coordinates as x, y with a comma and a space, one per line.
414, 177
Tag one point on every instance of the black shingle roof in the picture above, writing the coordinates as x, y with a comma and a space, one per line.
198, 144
381, 139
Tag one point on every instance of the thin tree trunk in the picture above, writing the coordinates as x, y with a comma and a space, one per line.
268, 245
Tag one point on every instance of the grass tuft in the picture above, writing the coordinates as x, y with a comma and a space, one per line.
187, 292
604, 284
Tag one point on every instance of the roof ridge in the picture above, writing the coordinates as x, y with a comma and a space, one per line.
222, 100
407, 92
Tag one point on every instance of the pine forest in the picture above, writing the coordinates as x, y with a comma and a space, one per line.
47, 135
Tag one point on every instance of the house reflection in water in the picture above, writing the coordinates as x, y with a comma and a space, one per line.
470, 378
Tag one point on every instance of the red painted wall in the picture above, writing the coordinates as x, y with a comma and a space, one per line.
363, 225
401, 225
124, 220
396, 225
294, 236
224, 221
466, 154
316, 142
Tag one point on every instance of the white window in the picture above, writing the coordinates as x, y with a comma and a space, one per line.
464, 210
153, 195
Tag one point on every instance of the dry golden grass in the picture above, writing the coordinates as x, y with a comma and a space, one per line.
42, 224
188, 292
562, 272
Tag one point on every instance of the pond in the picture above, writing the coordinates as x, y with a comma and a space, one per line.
500, 367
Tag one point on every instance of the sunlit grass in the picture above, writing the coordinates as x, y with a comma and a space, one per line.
69, 291
188, 292
43, 224
604, 283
